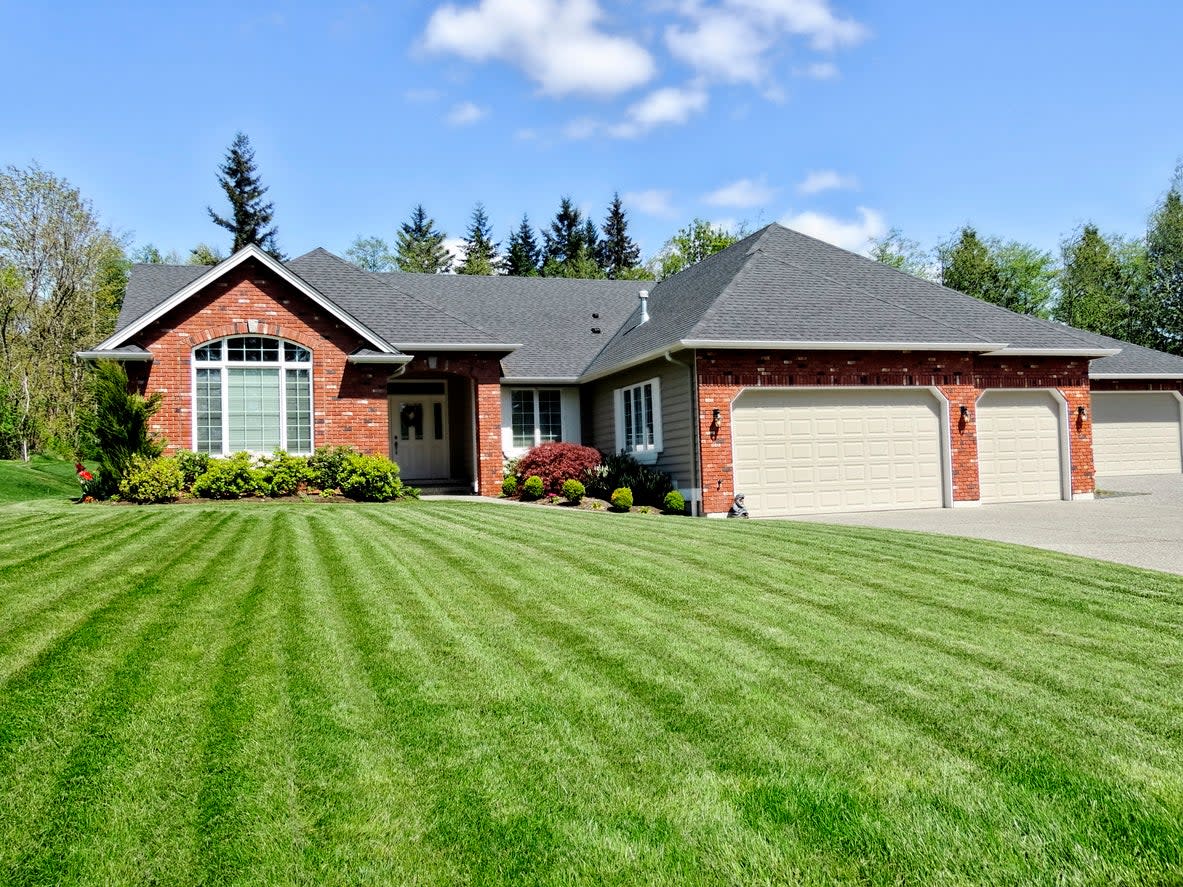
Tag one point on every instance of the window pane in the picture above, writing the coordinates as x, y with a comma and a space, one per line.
648, 415
299, 404
253, 409
252, 349
211, 351
628, 419
437, 415
410, 418
550, 416
522, 418
208, 409
296, 354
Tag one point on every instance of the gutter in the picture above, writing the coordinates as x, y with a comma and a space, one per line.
1166, 376
381, 359
455, 346
146, 356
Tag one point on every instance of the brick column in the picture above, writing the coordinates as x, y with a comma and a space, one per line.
1080, 439
963, 441
490, 459
718, 475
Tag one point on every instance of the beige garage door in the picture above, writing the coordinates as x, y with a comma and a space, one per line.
807, 452
1019, 446
1136, 433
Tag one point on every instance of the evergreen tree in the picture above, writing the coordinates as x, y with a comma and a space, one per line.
968, 267
1092, 285
1163, 308
480, 252
565, 238
618, 253
1012, 275
522, 255
250, 216
420, 247
591, 246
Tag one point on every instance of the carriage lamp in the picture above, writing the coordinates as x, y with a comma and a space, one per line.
1082, 413
964, 413
715, 414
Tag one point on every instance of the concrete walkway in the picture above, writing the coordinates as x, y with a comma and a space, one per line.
1135, 520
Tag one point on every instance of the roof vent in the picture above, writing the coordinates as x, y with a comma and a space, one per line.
643, 295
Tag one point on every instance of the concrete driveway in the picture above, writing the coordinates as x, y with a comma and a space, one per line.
1134, 520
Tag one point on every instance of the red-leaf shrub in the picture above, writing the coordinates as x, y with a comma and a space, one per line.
557, 462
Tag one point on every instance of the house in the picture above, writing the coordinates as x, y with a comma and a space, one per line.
806, 377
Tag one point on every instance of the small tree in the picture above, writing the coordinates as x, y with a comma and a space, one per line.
204, 254
250, 216
371, 254
480, 252
120, 425
420, 246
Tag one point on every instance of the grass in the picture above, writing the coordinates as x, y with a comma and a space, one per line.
458, 693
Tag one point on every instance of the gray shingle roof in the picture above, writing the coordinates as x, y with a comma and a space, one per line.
1133, 360
149, 285
778, 285
552, 318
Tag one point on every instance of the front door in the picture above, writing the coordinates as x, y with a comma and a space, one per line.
419, 435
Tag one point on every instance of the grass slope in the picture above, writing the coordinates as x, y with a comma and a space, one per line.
42, 478
451, 693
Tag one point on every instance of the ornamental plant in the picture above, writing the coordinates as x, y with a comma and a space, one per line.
230, 478
622, 499
509, 486
532, 489
192, 465
573, 491
648, 485
282, 475
326, 464
120, 425
152, 480
372, 479
675, 503
557, 462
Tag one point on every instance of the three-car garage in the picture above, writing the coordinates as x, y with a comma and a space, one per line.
1137, 432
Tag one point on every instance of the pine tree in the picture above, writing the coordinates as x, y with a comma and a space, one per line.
420, 247
1162, 323
1092, 285
590, 248
565, 237
480, 252
618, 253
250, 216
522, 254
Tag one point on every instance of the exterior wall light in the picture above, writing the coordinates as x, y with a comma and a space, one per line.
1082, 413
964, 413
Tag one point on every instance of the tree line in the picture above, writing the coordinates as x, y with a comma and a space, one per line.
1128, 288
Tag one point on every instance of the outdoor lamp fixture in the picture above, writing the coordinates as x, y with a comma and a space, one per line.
716, 413
1082, 413
964, 413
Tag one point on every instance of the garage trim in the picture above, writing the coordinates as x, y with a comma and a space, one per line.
1178, 398
1065, 445
942, 418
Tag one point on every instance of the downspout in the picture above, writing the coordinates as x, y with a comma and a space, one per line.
696, 479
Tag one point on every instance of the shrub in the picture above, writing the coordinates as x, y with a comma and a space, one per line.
674, 503
649, 485
370, 478
282, 474
192, 465
573, 491
509, 486
152, 480
230, 478
120, 425
326, 464
532, 488
622, 499
556, 462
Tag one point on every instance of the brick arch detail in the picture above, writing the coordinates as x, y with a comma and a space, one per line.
243, 328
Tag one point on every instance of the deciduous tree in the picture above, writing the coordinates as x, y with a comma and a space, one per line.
1092, 285
692, 244
371, 254
1164, 257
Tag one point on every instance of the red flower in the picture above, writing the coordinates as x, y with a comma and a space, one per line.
83, 475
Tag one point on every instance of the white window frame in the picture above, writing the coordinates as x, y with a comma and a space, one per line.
647, 452
537, 439
225, 364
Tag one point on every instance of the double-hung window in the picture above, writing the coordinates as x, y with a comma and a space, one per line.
638, 419
536, 416
252, 393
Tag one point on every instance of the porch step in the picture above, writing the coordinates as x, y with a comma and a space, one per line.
443, 488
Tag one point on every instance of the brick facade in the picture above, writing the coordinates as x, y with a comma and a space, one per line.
349, 401
960, 378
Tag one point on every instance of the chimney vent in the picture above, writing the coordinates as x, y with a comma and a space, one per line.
643, 295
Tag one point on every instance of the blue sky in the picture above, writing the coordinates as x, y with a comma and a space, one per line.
840, 118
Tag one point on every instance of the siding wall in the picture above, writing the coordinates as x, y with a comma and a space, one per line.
677, 456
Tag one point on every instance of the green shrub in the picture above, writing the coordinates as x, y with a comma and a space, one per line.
370, 479
152, 480
649, 485
675, 503
282, 474
192, 465
230, 478
532, 488
573, 491
509, 486
120, 425
326, 464
622, 499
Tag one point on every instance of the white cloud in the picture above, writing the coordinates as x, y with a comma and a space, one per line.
852, 234
426, 94
818, 71
455, 248
721, 46
557, 43
665, 106
826, 180
466, 113
742, 194
651, 202
581, 128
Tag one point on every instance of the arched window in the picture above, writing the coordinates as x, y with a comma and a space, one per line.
252, 393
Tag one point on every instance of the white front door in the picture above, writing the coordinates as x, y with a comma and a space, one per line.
419, 435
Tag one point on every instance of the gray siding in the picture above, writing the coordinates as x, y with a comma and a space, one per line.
676, 458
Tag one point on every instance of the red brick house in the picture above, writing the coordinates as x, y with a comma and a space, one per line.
806, 377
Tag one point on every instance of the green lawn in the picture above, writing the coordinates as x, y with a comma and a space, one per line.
451, 693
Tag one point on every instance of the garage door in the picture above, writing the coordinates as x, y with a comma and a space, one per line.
1136, 433
807, 452
1019, 446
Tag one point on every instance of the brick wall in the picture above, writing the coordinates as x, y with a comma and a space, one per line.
960, 378
1136, 385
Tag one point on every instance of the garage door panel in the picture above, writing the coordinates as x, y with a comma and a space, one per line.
1136, 433
845, 451
1019, 452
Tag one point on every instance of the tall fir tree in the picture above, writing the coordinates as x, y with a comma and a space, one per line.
522, 255
1092, 285
250, 217
618, 253
591, 246
565, 236
420, 247
480, 251
1162, 324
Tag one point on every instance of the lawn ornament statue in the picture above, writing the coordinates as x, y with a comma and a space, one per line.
737, 507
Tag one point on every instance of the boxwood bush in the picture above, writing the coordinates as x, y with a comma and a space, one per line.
230, 478
152, 480
675, 503
282, 474
573, 491
326, 464
622, 499
372, 479
509, 486
533, 488
557, 462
